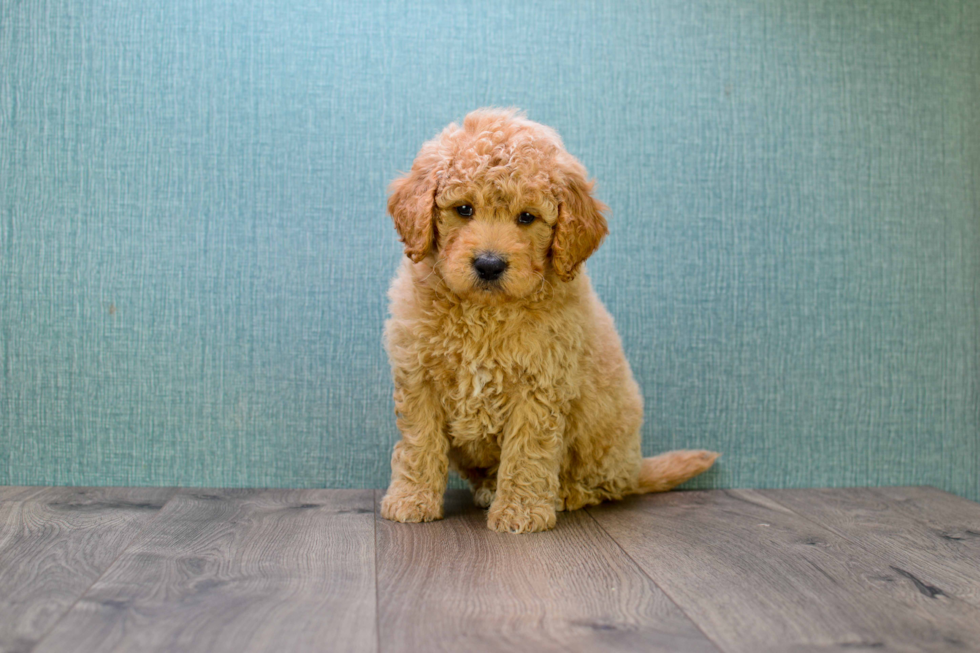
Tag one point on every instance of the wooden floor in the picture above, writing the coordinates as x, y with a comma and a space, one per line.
149, 569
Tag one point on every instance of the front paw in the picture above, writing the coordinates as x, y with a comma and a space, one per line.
411, 506
516, 515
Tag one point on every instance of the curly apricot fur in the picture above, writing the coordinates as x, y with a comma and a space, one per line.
519, 384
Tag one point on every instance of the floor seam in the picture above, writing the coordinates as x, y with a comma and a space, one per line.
377, 605
643, 571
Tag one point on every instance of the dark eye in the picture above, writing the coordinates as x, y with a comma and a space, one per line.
526, 218
465, 210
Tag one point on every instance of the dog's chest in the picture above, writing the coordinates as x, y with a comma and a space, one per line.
481, 371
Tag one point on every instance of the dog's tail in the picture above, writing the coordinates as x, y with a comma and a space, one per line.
668, 470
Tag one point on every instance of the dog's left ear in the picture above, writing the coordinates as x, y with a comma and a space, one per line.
581, 225
412, 202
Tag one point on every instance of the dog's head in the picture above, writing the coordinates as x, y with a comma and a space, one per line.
499, 205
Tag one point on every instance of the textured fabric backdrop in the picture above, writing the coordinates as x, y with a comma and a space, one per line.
194, 250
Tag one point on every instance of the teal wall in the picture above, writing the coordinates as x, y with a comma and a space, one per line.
194, 251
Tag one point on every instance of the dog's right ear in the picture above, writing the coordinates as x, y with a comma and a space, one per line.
412, 202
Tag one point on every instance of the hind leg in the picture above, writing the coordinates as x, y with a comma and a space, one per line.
483, 481
484, 489
483, 484
589, 492
608, 471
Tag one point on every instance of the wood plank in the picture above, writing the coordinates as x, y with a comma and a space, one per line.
20, 492
954, 518
454, 585
56, 542
237, 570
756, 576
943, 553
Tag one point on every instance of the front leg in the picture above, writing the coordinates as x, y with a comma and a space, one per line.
527, 480
420, 462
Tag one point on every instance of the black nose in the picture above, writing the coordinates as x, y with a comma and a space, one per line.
489, 266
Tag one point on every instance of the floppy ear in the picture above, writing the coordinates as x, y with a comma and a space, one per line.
581, 225
412, 202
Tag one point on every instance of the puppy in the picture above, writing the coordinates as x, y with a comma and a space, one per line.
506, 365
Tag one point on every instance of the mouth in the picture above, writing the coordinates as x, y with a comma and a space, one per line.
488, 286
